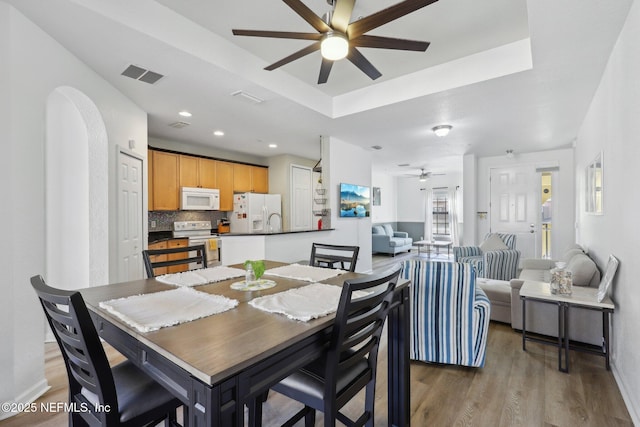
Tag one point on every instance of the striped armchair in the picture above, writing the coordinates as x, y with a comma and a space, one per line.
449, 314
495, 264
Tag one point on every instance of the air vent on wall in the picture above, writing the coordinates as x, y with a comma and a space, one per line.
138, 73
179, 125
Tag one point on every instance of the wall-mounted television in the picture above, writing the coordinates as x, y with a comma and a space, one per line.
355, 201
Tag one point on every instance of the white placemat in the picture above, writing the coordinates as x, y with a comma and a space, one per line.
305, 303
201, 276
306, 273
150, 312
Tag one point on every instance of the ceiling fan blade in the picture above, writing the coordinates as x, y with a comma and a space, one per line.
278, 34
389, 43
363, 63
325, 69
342, 15
358, 28
297, 55
308, 15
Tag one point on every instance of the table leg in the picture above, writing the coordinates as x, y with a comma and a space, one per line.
563, 336
605, 335
398, 362
524, 323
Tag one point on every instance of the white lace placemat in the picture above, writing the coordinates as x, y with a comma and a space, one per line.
150, 312
306, 273
201, 276
305, 303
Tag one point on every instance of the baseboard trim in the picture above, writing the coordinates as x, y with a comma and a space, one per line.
28, 396
634, 411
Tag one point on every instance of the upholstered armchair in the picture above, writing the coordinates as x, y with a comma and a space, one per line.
449, 313
496, 258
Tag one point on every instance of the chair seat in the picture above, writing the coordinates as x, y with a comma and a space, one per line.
309, 382
140, 399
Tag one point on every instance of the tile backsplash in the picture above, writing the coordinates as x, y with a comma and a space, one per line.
163, 220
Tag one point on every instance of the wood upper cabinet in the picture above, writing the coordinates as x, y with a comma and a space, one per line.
197, 172
166, 187
254, 179
150, 179
259, 179
241, 178
224, 182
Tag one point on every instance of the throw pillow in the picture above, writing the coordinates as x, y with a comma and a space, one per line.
388, 230
493, 243
583, 269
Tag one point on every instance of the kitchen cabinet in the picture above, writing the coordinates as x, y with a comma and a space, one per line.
197, 172
158, 258
177, 243
259, 179
254, 179
150, 179
224, 182
165, 177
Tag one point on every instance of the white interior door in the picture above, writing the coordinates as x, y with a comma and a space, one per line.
301, 198
130, 242
514, 206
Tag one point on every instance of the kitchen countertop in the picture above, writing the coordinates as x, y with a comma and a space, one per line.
274, 233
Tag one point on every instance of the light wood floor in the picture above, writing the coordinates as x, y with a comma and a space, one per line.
514, 388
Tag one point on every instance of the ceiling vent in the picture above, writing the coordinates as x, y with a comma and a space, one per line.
402, 165
240, 94
179, 125
138, 73
376, 147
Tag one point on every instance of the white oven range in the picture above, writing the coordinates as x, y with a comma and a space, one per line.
199, 233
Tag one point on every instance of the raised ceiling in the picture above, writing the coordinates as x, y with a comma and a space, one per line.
507, 74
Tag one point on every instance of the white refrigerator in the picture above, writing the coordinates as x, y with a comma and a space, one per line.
256, 213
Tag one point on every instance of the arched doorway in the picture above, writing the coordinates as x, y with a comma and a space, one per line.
76, 161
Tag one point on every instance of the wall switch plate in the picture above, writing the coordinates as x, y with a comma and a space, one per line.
153, 224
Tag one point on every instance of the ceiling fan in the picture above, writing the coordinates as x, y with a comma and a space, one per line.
424, 176
337, 38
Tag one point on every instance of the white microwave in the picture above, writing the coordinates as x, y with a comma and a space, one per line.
199, 199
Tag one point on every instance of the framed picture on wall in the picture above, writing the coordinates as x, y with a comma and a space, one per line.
376, 196
605, 283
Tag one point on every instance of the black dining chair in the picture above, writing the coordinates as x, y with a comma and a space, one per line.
122, 395
323, 255
349, 363
155, 258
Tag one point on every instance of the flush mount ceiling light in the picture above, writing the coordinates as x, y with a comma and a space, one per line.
185, 114
273, 145
442, 130
334, 46
218, 133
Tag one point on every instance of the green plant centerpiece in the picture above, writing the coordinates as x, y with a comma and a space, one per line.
257, 266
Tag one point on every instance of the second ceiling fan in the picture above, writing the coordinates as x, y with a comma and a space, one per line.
337, 38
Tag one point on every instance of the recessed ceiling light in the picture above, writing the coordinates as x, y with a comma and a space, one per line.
185, 114
273, 145
442, 130
218, 133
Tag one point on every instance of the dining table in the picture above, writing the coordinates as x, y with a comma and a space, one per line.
217, 365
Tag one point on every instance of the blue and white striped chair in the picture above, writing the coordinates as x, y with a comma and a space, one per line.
449, 314
495, 264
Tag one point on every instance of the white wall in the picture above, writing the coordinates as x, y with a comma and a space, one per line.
564, 204
612, 125
25, 52
387, 210
351, 164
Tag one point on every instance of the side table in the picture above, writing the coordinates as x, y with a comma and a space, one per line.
583, 297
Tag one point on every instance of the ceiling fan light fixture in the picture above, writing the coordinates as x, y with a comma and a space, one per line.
334, 46
423, 178
442, 130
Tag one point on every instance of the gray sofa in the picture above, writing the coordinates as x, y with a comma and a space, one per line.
387, 241
585, 325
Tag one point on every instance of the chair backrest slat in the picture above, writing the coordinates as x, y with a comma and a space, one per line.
84, 357
358, 325
150, 265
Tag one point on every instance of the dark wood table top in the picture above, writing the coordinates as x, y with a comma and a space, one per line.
219, 346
